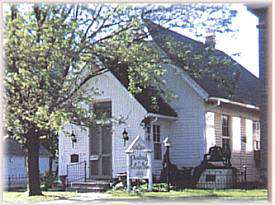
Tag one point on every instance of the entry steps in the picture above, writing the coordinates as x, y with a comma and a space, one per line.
90, 185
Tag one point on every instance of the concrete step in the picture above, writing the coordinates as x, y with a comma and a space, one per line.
94, 182
86, 189
90, 186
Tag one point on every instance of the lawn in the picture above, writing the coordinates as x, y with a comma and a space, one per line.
259, 194
47, 196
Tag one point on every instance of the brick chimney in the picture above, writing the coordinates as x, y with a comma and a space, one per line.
210, 40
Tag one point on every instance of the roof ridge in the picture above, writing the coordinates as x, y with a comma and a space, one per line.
247, 86
198, 42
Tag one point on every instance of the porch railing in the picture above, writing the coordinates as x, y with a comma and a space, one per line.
76, 172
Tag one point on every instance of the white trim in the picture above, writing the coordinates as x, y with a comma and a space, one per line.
192, 83
233, 102
161, 116
132, 96
138, 138
110, 74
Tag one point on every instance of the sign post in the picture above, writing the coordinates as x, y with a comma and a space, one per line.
139, 162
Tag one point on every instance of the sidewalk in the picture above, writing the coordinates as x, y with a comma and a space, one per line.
102, 198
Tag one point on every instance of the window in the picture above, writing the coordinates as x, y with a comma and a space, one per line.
148, 132
256, 135
74, 158
157, 142
225, 132
102, 110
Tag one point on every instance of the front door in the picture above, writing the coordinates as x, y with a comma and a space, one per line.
101, 149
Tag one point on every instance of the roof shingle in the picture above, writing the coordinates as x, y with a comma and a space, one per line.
247, 86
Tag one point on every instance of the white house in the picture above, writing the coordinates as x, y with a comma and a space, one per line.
204, 115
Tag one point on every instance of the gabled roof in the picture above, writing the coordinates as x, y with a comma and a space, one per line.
247, 86
144, 97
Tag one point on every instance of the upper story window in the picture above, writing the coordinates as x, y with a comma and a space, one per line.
157, 142
256, 135
102, 109
225, 131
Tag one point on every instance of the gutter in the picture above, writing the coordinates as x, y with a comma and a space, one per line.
161, 116
233, 103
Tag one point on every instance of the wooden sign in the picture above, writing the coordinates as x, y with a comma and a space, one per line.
139, 162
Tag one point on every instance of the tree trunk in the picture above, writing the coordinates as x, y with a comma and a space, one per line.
50, 165
56, 171
33, 165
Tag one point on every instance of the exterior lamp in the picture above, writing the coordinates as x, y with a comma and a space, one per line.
125, 136
73, 137
167, 144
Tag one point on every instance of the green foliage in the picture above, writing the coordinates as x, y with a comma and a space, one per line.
200, 61
47, 181
255, 194
53, 50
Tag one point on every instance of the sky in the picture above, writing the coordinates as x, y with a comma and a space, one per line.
245, 41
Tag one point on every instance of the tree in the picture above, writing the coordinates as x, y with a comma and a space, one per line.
52, 51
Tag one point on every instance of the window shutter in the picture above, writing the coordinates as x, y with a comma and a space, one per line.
210, 130
236, 134
249, 135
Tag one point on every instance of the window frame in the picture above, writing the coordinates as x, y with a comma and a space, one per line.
156, 134
102, 109
256, 135
72, 159
225, 138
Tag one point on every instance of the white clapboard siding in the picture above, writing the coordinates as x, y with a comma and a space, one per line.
210, 130
236, 134
188, 131
249, 135
240, 157
123, 105
164, 132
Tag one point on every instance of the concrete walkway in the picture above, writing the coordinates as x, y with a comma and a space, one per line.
99, 198
102, 198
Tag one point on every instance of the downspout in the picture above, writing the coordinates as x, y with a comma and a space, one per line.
217, 104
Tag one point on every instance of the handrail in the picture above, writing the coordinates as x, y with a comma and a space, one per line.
74, 165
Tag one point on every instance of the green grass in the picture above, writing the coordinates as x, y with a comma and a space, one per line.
47, 196
195, 193
257, 194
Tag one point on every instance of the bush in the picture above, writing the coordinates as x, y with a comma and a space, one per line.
47, 181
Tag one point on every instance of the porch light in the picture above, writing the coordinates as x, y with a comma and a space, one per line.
167, 142
125, 136
73, 138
